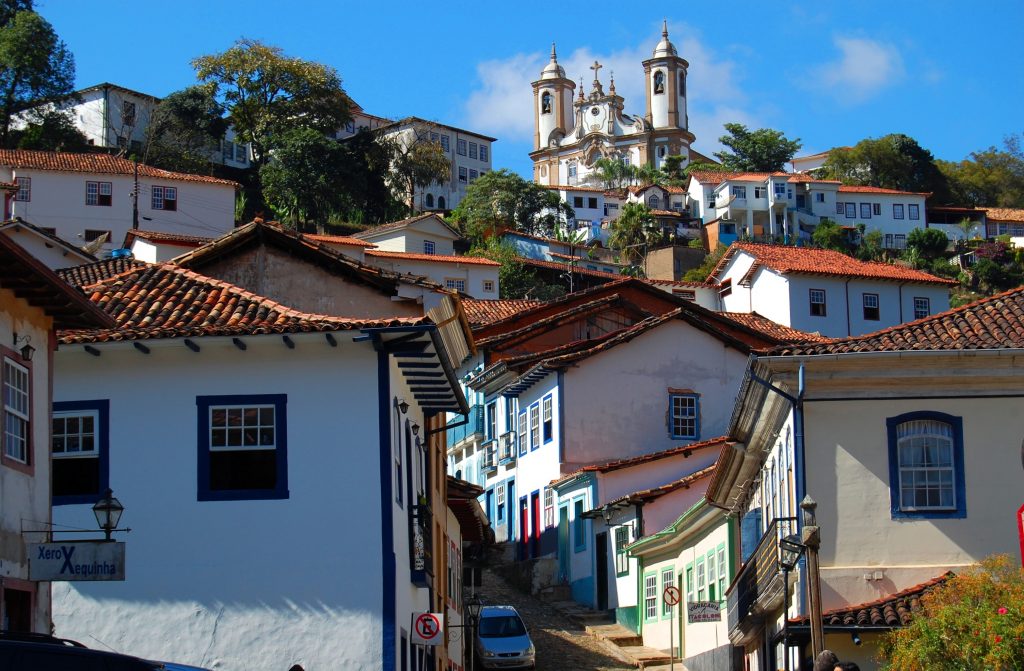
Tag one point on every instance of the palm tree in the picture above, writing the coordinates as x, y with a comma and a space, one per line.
632, 232
613, 174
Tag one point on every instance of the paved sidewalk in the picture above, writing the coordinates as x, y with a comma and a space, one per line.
562, 644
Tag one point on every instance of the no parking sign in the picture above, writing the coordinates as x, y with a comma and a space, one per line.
428, 629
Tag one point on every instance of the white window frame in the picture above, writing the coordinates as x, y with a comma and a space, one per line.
549, 507
823, 302
928, 433
913, 211
701, 579
229, 428
668, 575
162, 195
488, 286
429, 247
897, 210
524, 443
721, 573
547, 415
17, 407
651, 596
534, 426
80, 435
455, 283
24, 194
922, 307
760, 192
94, 190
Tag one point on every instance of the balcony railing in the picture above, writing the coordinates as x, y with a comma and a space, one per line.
489, 458
507, 447
475, 427
757, 589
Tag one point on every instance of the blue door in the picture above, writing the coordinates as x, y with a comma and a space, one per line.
489, 508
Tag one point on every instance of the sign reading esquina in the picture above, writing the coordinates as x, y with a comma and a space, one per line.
81, 560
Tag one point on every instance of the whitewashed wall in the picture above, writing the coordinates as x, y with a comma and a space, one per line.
473, 274
236, 585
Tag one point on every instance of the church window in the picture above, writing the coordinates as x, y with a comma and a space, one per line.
545, 103
572, 168
430, 200
682, 84
659, 82
661, 152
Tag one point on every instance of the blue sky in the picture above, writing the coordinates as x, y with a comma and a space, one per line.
950, 74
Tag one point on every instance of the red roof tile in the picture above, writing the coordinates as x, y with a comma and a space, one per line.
401, 223
434, 258
809, 260
482, 312
617, 464
167, 301
103, 164
1004, 214
767, 326
895, 610
848, 188
170, 238
338, 240
996, 322
91, 273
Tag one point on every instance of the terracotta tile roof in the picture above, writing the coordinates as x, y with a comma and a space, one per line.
808, 260
171, 238
166, 301
565, 187
482, 312
676, 283
648, 495
91, 273
996, 322
577, 269
346, 240
27, 278
780, 331
617, 464
848, 188
895, 610
434, 258
667, 213
104, 164
1004, 214
715, 177
402, 223
534, 328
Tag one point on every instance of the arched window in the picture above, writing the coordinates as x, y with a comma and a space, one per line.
545, 103
430, 200
655, 202
440, 202
659, 82
682, 84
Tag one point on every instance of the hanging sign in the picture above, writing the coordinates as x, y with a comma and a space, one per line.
704, 611
80, 560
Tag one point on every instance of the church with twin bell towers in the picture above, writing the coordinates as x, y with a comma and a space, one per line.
572, 132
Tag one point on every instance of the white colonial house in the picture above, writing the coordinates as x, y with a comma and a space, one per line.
629, 499
908, 440
468, 154
82, 198
43, 244
33, 303
470, 275
422, 234
240, 428
158, 247
823, 291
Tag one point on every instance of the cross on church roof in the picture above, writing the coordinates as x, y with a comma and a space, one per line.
595, 67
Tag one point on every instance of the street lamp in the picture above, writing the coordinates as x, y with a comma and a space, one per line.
108, 512
473, 606
810, 538
790, 549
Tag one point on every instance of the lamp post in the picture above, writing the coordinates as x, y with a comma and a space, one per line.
790, 550
108, 512
473, 607
810, 538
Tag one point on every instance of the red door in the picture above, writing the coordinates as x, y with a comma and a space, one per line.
524, 529
535, 515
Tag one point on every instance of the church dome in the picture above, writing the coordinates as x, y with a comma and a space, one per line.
553, 70
665, 46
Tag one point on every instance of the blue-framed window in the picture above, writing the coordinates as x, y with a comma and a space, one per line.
524, 440
80, 445
242, 447
547, 419
926, 465
491, 421
535, 426
684, 416
499, 500
579, 527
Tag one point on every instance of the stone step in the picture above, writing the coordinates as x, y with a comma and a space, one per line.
616, 634
643, 657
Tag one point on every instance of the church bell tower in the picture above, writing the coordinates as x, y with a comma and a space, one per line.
552, 103
665, 78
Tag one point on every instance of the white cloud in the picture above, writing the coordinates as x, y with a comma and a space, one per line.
864, 68
502, 102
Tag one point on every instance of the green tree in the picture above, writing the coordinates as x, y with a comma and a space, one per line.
417, 161
185, 129
993, 177
762, 150
611, 173
894, 161
266, 93
830, 235
51, 130
36, 69
973, 621
701, 272
515, 279
502, 199
632, 232
369, 199
928, 243
870, 245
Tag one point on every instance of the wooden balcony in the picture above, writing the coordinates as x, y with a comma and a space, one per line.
757, 591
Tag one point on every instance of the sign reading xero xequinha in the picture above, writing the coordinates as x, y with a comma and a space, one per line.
81, 560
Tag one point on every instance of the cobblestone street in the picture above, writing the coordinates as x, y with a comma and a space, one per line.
561, 643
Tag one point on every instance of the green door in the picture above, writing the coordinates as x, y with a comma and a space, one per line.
563, 543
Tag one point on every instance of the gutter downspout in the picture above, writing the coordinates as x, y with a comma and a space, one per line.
849, 308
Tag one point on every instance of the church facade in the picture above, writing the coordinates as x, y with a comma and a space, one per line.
571, 133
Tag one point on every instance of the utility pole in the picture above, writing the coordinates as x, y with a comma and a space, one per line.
135, 198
